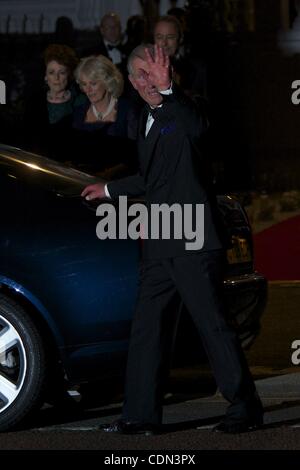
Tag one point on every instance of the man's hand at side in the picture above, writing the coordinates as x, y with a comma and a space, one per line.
94, 191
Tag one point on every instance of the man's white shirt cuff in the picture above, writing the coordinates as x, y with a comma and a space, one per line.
169, 91
107, 192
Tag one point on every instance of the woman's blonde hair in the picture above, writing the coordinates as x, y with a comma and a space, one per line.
102, 69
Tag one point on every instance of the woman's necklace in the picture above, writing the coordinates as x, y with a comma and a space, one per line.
101, 115
66, 95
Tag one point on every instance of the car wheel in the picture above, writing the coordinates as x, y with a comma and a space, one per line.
22, 365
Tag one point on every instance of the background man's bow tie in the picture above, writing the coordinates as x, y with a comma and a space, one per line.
110, 47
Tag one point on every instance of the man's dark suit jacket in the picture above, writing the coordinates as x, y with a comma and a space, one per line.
171, 171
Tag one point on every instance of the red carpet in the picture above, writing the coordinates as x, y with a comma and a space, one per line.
277, 250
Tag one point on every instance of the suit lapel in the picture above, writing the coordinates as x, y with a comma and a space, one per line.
142, 148
142, 123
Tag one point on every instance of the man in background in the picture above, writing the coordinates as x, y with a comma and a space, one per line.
188, 72
110, 44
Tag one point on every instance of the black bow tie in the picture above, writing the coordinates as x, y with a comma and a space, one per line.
153, 111
111, 47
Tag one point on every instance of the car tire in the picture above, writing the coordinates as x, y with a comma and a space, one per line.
22, 365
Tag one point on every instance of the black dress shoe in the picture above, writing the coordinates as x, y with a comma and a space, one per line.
237, 427
127, 427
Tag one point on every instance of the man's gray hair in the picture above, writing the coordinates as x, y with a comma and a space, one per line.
139, 52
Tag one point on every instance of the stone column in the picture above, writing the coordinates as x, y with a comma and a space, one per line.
250, 15
289, 39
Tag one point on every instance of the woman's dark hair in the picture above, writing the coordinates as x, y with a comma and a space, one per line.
62, 54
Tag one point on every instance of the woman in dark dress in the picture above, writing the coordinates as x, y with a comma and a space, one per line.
103, 126
48, 113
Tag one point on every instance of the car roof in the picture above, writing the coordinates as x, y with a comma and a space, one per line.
45, 172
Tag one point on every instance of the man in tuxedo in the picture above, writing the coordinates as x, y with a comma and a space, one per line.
189, 72
111, 31
110, 44
171, 172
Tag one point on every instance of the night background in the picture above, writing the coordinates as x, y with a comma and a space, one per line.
249, 54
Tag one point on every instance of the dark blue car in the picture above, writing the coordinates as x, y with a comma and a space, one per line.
67, 298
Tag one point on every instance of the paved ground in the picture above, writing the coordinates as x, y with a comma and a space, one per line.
184, 429
194, 407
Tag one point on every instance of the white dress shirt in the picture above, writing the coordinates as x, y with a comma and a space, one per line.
114, 54
150, 120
